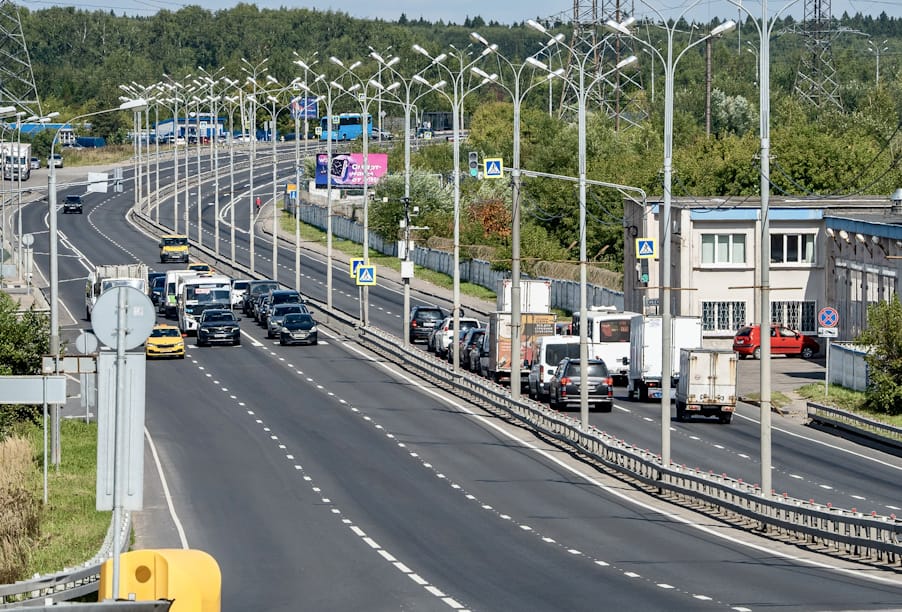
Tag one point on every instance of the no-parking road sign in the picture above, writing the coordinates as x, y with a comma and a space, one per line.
828, 317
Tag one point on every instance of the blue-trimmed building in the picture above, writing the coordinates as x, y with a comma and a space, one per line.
66, 134
202, 125
822, 252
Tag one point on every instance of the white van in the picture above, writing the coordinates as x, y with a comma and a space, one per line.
545, 354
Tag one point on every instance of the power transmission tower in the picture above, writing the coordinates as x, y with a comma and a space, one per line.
614, 95
816, 78
17, 86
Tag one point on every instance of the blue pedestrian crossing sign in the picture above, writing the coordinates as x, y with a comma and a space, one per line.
353, 264
494, 168
645, 248
366, 275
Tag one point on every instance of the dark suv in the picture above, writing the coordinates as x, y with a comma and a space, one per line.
218, 325
256, 288
423, 319
564, 388
73, 204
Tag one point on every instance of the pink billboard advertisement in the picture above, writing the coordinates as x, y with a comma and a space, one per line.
346, 169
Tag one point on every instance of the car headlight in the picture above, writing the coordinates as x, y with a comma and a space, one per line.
313, 329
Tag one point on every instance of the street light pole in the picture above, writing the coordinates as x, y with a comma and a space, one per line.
665, 216
582, 92
460, 88
517, 97
252, 71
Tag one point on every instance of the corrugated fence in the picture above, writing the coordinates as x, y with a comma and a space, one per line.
564, 294
847, 366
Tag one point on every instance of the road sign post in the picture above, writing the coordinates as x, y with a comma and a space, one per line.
828, 318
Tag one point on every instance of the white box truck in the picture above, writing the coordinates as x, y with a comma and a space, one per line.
646, 352
535, 295
17, 161
707, 384
113, 275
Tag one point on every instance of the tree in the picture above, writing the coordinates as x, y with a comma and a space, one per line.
884, 336
23, 341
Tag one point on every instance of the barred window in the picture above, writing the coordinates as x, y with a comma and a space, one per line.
791, 248
723, 248
797, 315
723, 316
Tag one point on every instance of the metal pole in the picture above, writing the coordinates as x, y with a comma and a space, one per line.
214, 153
516, 323
297, 203
175, 164
200, 206
121, 324
583, 264
187, 181
329, 199
764, 248
458, 104
232, 184
664, 217
365, 293
407, 254
253, 156
275, 208
54, 269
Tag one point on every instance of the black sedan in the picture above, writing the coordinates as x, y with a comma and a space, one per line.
298, 328
218, 326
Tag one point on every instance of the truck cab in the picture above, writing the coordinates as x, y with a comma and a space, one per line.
174, 248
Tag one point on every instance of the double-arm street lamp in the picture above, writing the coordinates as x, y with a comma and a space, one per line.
461, 86
669, 64
408, 103
361, 87
518, 94
323, 89
254, 72
585, 82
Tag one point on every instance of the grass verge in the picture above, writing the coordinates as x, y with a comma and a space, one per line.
310, 234
778, 400
846, 399
71, 529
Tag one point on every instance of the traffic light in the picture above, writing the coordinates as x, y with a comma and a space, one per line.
474, 163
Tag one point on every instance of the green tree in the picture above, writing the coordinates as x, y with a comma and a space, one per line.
23, 341
884, 336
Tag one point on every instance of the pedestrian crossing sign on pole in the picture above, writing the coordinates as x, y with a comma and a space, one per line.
645, 248
494, 168
366, 275
353, 264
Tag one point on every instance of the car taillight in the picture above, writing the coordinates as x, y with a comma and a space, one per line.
610, 383
413, 323
541, 372
565, 381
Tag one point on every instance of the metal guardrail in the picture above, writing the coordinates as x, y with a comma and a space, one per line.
856, 424
66, 584
851, 534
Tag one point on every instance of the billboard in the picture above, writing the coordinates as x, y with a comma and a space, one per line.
346, 169
303, 107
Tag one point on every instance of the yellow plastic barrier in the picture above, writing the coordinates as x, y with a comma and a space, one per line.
191, 578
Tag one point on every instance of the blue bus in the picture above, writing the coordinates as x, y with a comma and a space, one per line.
346, 126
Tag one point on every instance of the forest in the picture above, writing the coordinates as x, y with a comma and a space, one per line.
847, 146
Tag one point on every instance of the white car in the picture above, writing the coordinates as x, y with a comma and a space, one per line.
445, 332
239, 288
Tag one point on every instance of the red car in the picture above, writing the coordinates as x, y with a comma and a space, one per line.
783, 341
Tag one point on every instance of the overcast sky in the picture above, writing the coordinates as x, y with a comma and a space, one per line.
504, 11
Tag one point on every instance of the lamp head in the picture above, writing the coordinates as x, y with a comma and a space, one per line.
476, 37
336, 61
535, 25
632, 59
355, 65
723, 28
617, 28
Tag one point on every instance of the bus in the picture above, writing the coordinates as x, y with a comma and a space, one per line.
198, 293
609, 337
346, 126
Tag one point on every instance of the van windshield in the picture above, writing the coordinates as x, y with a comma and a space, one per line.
555, 353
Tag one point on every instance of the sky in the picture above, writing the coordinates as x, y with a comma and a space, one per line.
503, 11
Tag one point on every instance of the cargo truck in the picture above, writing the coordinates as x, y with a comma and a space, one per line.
646, 375
707, 384
17, 161
497, 344
535, 295
113, 275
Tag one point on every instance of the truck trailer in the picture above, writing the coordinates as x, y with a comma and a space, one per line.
646, 361
707, 384
497, 343
113, 275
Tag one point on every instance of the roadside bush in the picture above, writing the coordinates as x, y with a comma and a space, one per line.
884, 335
19, 509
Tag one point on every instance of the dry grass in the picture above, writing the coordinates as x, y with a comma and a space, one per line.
19, 510
110, 154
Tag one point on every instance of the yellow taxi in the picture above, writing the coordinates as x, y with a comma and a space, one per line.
198, 266
165, 341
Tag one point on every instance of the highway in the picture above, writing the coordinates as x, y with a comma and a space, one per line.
321, 478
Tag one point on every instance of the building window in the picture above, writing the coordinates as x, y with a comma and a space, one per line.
723, 248
799, 316
723, 316
792, 248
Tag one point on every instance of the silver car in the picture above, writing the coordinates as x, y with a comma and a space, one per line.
275, 318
